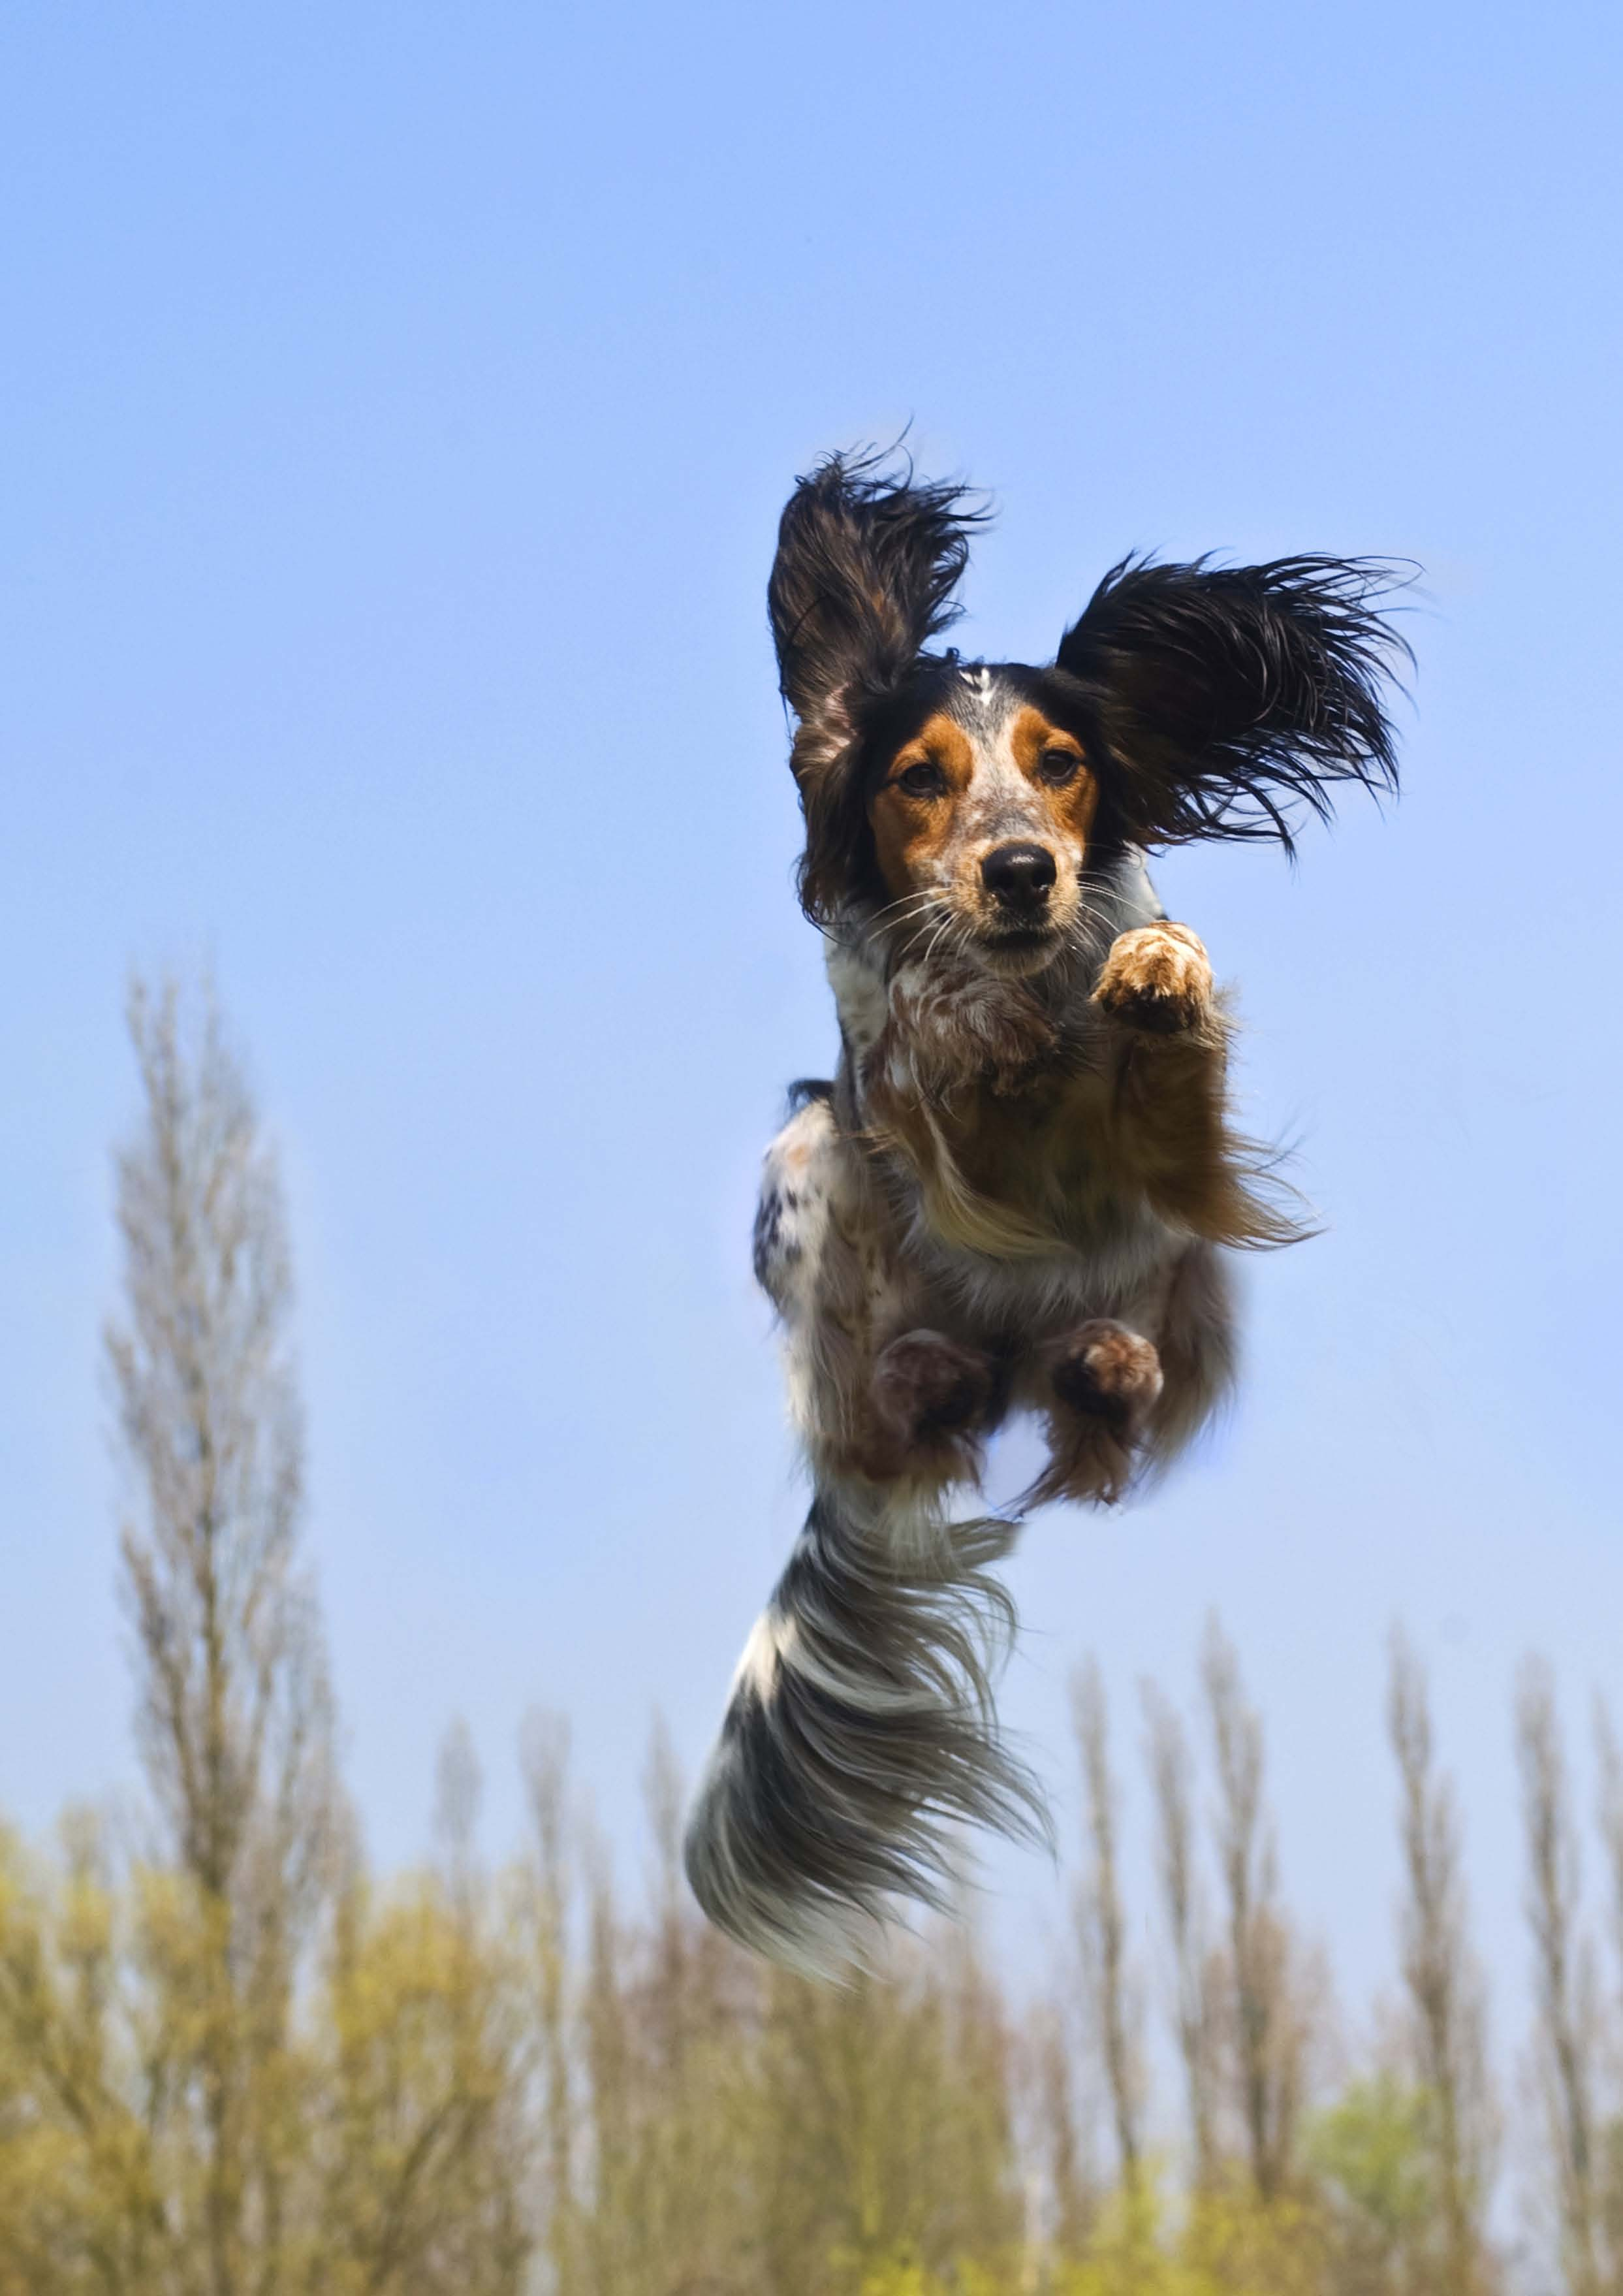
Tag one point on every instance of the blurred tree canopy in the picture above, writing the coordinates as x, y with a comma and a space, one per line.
234, 2062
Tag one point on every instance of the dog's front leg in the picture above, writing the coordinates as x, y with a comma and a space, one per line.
1170, 1051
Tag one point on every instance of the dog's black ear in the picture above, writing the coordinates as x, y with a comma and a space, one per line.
867, 562
865, 568
1229, 697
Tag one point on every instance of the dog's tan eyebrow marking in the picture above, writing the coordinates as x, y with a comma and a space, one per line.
940, 740
1032, 734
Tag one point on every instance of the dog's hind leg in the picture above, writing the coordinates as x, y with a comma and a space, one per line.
798, 1180
1120, 1399
933, 1398
1104, 1381
875, 1388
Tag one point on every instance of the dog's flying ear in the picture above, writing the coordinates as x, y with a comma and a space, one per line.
1230, 696
865, 568
863, 578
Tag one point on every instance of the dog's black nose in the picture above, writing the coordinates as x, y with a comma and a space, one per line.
1020, 874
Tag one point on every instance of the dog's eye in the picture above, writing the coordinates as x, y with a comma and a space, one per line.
1057, 766
921, 780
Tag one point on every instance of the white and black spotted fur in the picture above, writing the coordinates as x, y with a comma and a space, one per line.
1020, 1191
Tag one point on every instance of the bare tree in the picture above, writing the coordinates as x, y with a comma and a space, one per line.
1442, 1977
544, 1756
1564, 1986
1167, 1749
459, 1794
1061, 2194
1265, 2025
1608, 1814
1101, 1927
235, 1715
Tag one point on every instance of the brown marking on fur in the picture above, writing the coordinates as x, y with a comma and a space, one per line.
909, 831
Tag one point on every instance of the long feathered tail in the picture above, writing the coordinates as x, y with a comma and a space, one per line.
860, 1729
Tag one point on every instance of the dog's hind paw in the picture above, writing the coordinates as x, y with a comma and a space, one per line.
1108, 1371
925, 1384
929, 1392
1105, 1382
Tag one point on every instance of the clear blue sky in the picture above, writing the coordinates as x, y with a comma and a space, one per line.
398, 401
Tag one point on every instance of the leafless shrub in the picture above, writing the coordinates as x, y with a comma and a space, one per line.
1112, 1986
1267, 2027
1446, 2037
1184, 1911
1563, 1975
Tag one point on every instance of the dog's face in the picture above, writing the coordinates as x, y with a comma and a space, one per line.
981, 815
1193, 700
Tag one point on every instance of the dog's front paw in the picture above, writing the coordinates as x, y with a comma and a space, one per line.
1158, 979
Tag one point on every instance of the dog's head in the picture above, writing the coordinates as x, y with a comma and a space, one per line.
969, 806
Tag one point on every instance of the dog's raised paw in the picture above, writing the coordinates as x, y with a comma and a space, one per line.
1158, 979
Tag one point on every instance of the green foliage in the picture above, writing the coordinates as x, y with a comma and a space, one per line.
1375, 2150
